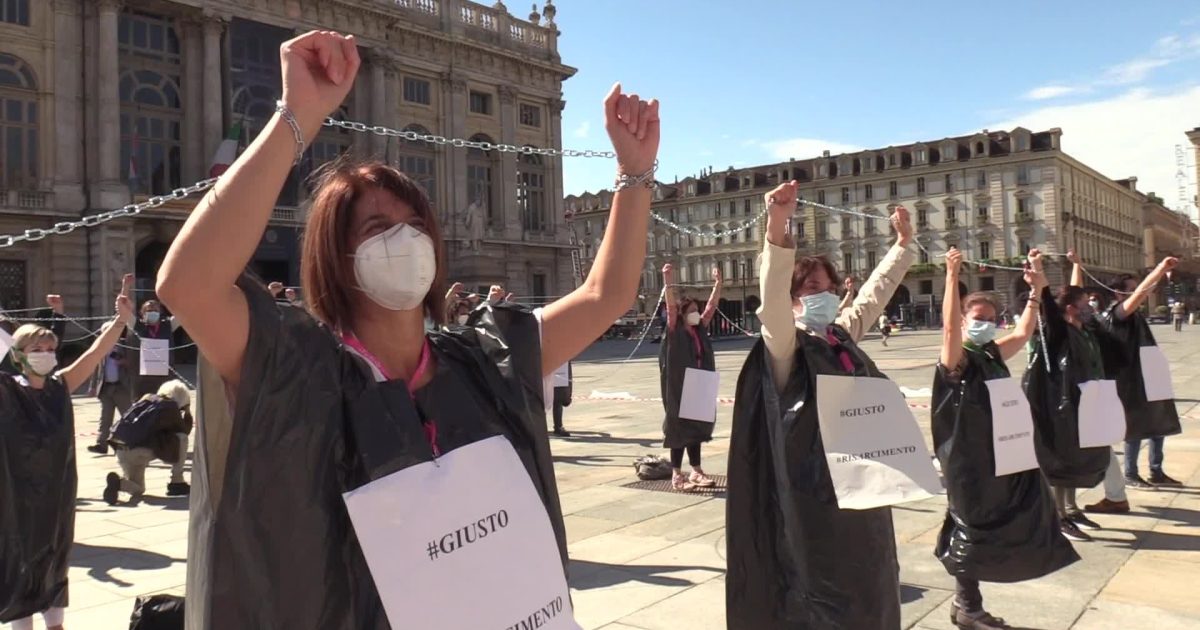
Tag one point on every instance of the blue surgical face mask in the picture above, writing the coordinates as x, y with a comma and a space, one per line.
152, 317
819, 310
980, 333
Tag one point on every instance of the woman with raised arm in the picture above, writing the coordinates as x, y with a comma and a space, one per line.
1126, 344
998, 528
37, 457
795, 559
685, 346
363, 450
1066, 355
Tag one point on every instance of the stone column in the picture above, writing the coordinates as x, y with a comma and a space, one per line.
378, 61
509, 211
452, 198
195, 163
108, 95
68, 48
214, 123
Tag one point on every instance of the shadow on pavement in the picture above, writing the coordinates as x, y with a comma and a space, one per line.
592, 575
99, 561
592, 437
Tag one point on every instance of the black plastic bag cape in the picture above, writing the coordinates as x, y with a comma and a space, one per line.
1054, 400
795, 561
37, 496
1125, 338
270, 542
157, 612
677, 353
997, 529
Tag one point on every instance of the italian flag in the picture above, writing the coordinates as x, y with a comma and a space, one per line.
227, 151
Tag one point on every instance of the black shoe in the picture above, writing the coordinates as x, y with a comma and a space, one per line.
1136, 482
99, 449
561, 432
1162, 479
1072, 532
181, 489
1082, 521
111, 488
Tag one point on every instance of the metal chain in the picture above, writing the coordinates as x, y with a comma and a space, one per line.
701, 232
459, 143
66, 227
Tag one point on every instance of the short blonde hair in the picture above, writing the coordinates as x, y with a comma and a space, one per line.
30, 334
177, 391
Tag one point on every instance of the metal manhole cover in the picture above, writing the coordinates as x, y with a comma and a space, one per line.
664, 485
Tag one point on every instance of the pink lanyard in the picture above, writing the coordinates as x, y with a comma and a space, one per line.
842, 352
428, 426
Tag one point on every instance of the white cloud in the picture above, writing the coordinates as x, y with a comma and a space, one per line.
1050, 91
1166, 51
804, 148
584, 129
1133, 134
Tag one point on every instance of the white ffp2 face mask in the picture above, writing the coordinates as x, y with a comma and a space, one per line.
462, 319
693, 319
396, 268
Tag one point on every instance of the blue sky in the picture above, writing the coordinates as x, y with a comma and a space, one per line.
755, 81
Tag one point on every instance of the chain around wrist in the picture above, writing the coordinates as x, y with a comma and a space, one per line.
645, 179
289, 117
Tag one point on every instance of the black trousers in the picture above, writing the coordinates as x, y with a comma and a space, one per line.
967, 595
693, 452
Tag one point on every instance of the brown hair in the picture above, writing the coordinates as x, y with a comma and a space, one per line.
805, 268
327, 263
150, 304
1068, 296
981, 297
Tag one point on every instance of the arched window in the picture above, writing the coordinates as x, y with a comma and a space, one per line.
151, 120
418, 160
531, 193
18, 123
479, 179
151, 103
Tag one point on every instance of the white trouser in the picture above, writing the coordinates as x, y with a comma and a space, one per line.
1114, 480
52, 616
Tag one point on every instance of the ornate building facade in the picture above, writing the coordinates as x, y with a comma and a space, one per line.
108, 101
994, 195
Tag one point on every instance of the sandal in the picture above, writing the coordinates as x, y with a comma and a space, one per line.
701, 480
679, 483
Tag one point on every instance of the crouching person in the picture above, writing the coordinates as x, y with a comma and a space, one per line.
155, 427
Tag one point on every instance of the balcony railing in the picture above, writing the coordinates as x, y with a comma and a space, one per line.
481, 21
1024, 217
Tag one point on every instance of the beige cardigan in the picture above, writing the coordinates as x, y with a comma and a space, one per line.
775, 314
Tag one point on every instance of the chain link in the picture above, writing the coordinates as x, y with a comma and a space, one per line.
66, 227
702, 232
36, 234
459, 143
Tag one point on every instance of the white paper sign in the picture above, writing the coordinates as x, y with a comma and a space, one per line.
562, 376
1101, 414
463, 543
1012, 427
874, 448
155, 357
6, 343
1156, 374
699, 396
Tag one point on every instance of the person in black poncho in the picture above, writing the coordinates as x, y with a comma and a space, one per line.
1067, 354
1123, 331
997, 528
685, 345
795, 560
38, 478
320, 432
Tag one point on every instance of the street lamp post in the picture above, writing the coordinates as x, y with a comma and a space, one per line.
743, 279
